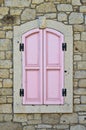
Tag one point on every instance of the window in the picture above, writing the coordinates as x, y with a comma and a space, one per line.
43, 69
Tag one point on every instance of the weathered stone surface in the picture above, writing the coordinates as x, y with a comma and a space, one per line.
8, 117
15, 11
9, 34
76, 18
82, 119
82, 65
1, 2
2, 55
32, 122
77, 36
28, 14
77, 101
4, 10
7, 83
20, 118
46, 8
82, 83
6, 92
80, 91
80, 74
80, 108
5, 108
10, 126
76, 2
3, 99
43, 126
4, 73
62, 17
83, 36
42, 22
69, 118
5, 64
64, 7
79, 28
83, 99
83, 9
30, 117
84, 56
0, 84
37, 116
17, 3
77, 127
9, 99
37, 1
28, 128
2, 34
50, 118
83, 1
80, 46
51, 15
5, 44
61, 127
77, 57
9, 55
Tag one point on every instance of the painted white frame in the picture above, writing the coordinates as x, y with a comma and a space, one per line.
67, 31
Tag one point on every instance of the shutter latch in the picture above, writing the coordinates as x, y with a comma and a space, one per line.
64, 92
64, 46
21, 92
21, 46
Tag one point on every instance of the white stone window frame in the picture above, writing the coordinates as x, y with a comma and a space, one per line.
18, 106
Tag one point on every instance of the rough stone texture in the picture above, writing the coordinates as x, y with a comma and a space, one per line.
76, 36
82, 83
8, 117
69, 118
61, 127
10, 126
62, 17
5, 64
4, 73
15, 11
78, 127
28, 14
46, 8
2, 34
7, 83
83, 1
82, 65
80, 46
6, 92
20, 117
64, 7
77, 57
83, 9
4, 10
83, 36
5, 108
80, 108
2, 55
82, 119
9, 34
9, 55
3, 99
77, 101
50, 119
44, 126
80, 74
83, 99
1, 1
5, 44
76, 2
76, 18
84, 56
28, 128
37, 1
79, 28
17, 3
80, 91
53, 16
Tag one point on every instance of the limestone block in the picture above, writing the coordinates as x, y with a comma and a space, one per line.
83, 99
77, 127
50, 118
2, 55
6, 92
64, 7
20, 118
84, 56
44, 126
4, 10
80, 91
83, 9
9, 99
77, 57
5, 64
28, 128
37, 116
62, 17
1, 117
82, 83
2, 34
17, 3
50, 15
80, 108
28, 14
76, 18
9, 34
5, 44
4, 73
80, 74
69, 118
9, 55
5, 108
83, 1
1, 1
80, 46
33, 122
83, 36
79, 28
61, 126
3, 99
82, 119
37, 1
76, 2
0, 84
30, 116
82, 65
77, 36
7, 83
8, 117
10, 126
77, 101
15, 11
46, 8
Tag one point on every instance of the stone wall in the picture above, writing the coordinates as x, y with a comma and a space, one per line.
16, 12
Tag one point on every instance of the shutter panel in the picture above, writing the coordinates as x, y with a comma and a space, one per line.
32, 67
53, 67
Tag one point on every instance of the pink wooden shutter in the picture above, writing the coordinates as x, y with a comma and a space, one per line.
32, 67
53, 67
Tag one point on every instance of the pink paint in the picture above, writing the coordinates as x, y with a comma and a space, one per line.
43, 67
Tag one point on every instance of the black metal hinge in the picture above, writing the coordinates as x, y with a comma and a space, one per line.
64, 92
64, 46
21, 92
21, 47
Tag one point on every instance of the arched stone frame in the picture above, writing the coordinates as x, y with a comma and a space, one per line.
66, 30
